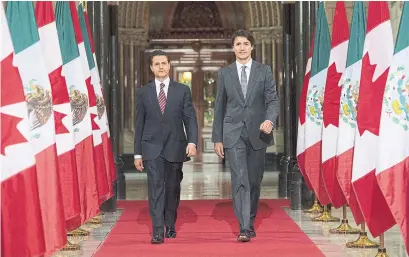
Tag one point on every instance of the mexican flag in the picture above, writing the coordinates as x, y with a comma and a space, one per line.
22, 231
101, 119
38, 92
377, 57
62, 113
91, 41
337, 62
302, 118
349, 84
99, 160
72, 72
106, 135
315, 100
392, 169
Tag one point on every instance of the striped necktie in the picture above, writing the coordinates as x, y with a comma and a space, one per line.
162, 98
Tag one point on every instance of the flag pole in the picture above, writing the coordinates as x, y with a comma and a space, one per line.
326, 216
381, 249
97, 220
316, 207
363, 241
344, 227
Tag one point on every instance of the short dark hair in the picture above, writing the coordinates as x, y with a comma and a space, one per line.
157, 53
243, 33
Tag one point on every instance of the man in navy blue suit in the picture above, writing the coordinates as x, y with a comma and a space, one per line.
164, 110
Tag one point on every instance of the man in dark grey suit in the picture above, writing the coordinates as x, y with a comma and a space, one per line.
246, 110
163, 111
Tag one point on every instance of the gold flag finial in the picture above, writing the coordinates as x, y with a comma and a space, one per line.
84, 5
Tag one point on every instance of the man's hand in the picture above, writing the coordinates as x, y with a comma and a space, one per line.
218, 148
266, 127
190, 150
138, 164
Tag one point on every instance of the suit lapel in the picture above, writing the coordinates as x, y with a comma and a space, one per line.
154, 97
235, 78
255, 67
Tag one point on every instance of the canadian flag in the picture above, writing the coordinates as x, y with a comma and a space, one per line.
38, 92
62, 113
337, 62
99, 161
301, 119
315, 100
102, 119
22, 231
106, 135
377, 57
72, 72
349, 84
392, 168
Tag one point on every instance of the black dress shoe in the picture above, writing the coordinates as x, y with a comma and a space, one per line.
170, 232
157, 239
244, 236
252, 232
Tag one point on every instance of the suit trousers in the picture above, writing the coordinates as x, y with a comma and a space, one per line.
247, 170
164, 180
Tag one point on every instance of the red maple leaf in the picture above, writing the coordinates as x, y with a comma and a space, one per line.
11, 93
91, 93
332, 97
10, 135
58, 87
92, 102
93, 123
370, 98
59, 126
11, 86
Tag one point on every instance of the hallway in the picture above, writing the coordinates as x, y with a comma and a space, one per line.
212, 181
201, 181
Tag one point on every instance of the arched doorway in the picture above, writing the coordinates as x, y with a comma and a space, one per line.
197, 37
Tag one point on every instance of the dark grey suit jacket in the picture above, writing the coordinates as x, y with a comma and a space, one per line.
155, 132
232, 110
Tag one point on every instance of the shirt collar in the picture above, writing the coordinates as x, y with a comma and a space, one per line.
166, 82
248, 64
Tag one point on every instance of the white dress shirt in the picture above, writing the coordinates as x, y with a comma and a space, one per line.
165, 89
248, 69
158, 82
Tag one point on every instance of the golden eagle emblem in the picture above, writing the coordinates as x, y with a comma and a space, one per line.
100, 106
396, 97
39, 104
79, 106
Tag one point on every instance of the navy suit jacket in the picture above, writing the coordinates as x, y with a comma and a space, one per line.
157, 133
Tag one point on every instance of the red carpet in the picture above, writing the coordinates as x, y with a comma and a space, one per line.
208, 228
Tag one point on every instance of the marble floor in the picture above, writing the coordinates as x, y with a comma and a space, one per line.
212, 181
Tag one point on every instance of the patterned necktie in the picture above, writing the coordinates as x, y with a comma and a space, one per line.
162, 98
243, 80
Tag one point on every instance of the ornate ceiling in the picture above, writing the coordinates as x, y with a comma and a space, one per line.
140, 20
